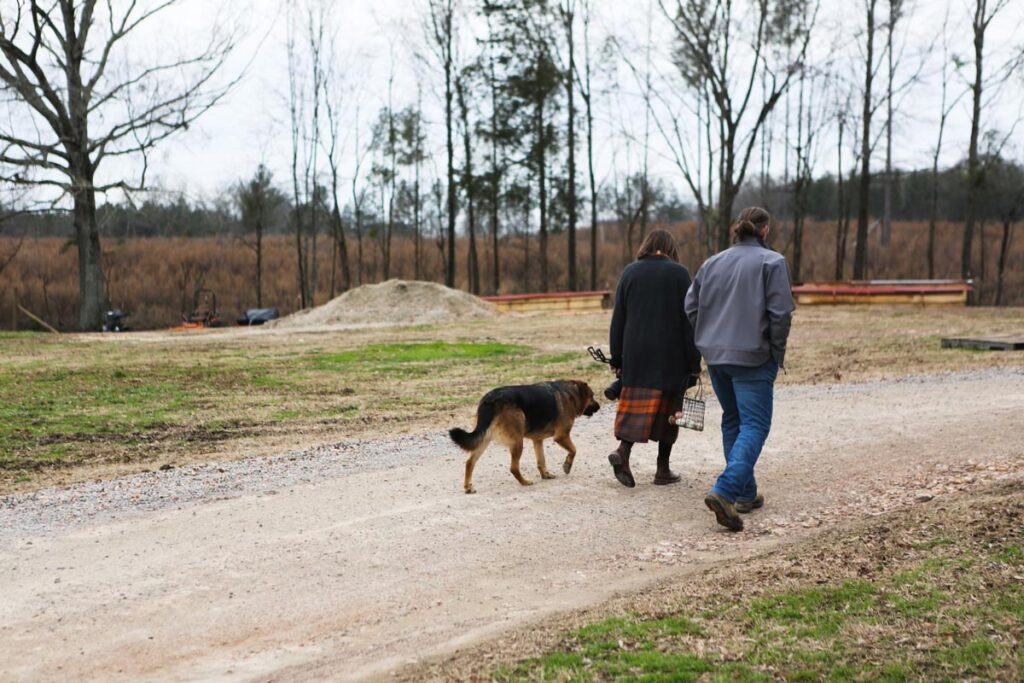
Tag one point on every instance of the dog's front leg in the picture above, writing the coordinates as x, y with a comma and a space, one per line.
542, 467
565, 442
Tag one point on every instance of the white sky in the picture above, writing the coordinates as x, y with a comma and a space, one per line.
251, 125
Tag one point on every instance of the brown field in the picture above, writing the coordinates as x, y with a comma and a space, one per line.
154, 278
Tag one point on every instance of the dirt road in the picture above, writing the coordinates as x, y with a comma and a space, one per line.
350, 562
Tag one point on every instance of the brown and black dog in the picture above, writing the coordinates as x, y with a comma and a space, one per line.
533, 411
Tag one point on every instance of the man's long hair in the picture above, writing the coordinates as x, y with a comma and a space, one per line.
658, 243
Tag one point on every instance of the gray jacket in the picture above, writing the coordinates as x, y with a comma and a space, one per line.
740, 305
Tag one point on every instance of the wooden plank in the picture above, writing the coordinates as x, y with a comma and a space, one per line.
1003, 342
922, 292
537, 306
589, 301
925, 300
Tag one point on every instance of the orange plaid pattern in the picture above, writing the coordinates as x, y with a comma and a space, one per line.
643, 415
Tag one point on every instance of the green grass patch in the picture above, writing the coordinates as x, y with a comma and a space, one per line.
66, 401
928, 621
384, 354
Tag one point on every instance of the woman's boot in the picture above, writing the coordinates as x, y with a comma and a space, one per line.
619, 460
664, 475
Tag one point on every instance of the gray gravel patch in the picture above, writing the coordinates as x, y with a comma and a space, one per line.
51, 509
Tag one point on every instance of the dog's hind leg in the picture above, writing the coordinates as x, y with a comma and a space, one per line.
471, 463
517, 453
542, 467
565, 442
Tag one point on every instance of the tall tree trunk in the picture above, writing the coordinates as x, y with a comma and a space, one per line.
593, 191
1004, 249
587, 100
259, 263
334, 259
542, 195
360, 272
449, 273
342, 244
933, 204
473, 262
887, 188
860, 257
570, 88
416, 200
87, 239
800, 184
840, 231
495, 190
973, 163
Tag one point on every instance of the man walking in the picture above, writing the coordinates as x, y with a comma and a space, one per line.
740, 305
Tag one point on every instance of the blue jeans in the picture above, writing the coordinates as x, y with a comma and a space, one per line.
746, 395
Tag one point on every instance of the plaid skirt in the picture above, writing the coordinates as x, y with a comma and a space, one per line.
643, 415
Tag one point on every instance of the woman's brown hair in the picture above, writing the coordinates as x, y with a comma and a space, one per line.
659, 243
749, 223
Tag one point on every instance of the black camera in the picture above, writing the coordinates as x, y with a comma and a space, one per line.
613, 390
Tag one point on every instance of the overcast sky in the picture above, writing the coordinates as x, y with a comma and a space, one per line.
251, 125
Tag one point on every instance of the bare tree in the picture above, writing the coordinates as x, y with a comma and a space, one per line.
567, 10
333, 100
895, 14
359, 198
811, 120
440, 30
586, 92
706, 56
842, 222
300, 154
945, 109
860, 257
79, 101
468, 182
985, 12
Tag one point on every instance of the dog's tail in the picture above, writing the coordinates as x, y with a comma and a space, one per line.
467, 441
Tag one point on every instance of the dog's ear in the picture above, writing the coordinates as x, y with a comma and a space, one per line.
584, 390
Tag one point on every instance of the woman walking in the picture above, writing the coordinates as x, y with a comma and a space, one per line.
652, 351
740, 305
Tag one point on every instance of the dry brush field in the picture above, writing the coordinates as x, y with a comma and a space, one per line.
154, 278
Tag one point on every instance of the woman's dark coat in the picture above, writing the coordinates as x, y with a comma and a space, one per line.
651, 337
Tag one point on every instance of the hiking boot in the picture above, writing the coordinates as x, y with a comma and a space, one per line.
725, 512
620, 466
664, 475
746, 506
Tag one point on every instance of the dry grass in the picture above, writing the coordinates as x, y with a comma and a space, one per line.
84, 406
154, 278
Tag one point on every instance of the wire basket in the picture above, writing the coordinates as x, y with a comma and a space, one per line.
692, 414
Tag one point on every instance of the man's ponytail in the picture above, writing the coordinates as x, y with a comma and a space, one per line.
750, 223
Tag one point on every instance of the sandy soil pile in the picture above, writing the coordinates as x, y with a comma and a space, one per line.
395, 302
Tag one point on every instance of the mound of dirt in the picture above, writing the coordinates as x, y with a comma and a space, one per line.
395, 302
